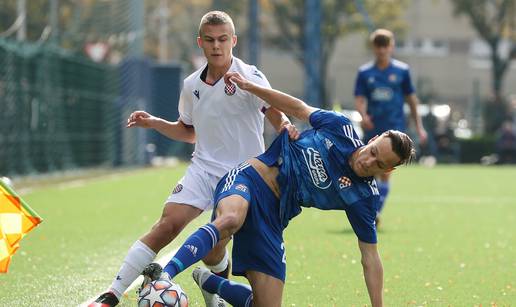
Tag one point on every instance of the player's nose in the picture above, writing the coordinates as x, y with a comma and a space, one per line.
369, 161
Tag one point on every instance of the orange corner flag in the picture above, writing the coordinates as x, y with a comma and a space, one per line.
16, 220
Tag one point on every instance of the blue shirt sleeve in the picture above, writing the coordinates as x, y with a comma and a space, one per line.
407, 86
361, 216
328, 119
360, 84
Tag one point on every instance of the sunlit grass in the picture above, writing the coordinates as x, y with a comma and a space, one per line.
447, 239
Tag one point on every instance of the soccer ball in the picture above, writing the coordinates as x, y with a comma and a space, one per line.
162, 293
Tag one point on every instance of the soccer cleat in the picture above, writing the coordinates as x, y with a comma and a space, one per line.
151, 272
107, 299
200, 275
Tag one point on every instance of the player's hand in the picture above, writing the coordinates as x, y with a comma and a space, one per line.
293, 133
367, 123
423, 136
238, 79
140, 119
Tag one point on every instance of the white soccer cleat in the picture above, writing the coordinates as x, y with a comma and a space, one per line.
200, 275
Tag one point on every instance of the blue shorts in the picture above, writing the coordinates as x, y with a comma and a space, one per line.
258, 245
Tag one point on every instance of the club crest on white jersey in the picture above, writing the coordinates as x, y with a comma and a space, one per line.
230, 89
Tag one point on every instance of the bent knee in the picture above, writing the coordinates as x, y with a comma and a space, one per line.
229, 222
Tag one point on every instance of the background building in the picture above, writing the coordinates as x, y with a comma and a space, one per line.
450, 64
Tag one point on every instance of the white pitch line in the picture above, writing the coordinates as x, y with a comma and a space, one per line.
163, 260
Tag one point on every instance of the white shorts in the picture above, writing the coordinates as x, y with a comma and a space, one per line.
196, 188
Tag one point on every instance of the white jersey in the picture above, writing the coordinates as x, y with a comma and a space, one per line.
228, 121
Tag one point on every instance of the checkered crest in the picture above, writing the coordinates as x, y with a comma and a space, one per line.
230, 89
345, 181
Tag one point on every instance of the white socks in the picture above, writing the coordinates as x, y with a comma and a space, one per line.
222, 265
138, 257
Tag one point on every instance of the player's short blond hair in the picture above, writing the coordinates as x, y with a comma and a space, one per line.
216, 18
381, 38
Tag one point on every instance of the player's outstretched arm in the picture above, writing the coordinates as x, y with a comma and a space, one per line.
373, 272
281, 101
174, 130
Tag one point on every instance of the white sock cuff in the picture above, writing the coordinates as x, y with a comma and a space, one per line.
142, 246
222, 265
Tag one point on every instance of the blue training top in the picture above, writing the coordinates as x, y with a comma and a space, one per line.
314, 172
385, 91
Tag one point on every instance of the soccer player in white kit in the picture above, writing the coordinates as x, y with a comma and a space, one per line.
226, 125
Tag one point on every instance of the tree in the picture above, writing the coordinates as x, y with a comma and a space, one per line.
37, 19
109, 22
495, 23
340, 17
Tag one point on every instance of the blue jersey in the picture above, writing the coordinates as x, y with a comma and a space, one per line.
385, 91
314, 172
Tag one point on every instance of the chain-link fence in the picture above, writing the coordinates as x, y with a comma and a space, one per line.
56, 109
69, 82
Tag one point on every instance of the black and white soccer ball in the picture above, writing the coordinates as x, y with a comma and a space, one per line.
162, 293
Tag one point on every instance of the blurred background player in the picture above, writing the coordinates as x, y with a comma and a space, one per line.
381, 89
226, 126
327, 167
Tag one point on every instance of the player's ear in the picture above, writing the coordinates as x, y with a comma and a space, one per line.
235, 39
199, 41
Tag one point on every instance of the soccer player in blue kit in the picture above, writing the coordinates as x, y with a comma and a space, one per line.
327, 167
381, 88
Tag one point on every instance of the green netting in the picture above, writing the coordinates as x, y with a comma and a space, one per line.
56, 109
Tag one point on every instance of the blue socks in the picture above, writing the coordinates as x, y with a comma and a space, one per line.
194, 249
197, 247
238, 295
383, 188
